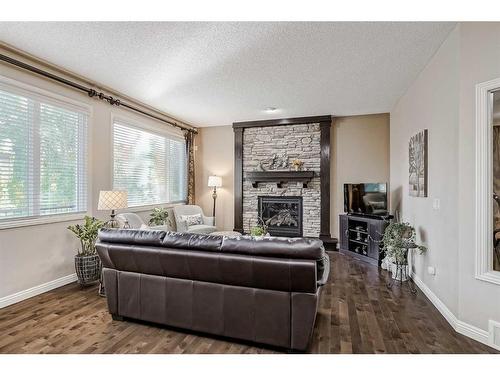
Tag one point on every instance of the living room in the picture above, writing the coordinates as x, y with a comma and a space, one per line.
249, 187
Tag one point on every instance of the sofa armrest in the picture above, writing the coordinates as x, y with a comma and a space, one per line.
208, 220
181, 226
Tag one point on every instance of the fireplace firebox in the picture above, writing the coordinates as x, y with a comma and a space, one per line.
282, 215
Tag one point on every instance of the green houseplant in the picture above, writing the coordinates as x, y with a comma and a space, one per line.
397, 240
87, 263
159, 216
260, 229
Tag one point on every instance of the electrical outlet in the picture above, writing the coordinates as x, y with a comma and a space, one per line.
431, 270
436, 204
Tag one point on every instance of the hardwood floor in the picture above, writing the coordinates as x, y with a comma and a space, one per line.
357, 314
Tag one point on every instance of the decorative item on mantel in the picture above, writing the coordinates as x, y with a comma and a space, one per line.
398, 240
112, 200
276, 162
297, 164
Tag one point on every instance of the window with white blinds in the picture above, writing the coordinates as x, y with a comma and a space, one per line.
150, 166
43, 147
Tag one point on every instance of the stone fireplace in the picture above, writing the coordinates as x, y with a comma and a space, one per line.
301, 142
296, 203
282, 215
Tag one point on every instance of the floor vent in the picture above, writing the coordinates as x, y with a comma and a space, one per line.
494, 334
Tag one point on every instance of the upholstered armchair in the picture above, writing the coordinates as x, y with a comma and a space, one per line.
205, 227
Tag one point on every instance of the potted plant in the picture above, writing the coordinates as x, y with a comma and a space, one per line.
260, 230
397, 240
87, 262
159, 216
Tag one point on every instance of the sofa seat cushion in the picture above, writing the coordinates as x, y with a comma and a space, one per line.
201, 229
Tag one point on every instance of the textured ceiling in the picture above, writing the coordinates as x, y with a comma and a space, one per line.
217, 73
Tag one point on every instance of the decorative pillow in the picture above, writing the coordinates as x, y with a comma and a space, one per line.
192, 219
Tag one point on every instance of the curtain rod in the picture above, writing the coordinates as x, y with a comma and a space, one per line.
89, 91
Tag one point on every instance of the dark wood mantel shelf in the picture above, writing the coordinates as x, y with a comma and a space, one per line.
279, 177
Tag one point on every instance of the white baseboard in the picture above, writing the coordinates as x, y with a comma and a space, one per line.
461, 327
36, 290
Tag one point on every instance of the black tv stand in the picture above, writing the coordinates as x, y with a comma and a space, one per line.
361, 236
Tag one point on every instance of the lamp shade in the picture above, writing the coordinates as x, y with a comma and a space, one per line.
214, 181
112, 200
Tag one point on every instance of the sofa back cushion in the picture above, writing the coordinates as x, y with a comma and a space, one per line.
281, 247
132, 236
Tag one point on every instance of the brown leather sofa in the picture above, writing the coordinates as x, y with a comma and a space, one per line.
263, 290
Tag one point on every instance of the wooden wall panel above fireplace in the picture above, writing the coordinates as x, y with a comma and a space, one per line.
325, 123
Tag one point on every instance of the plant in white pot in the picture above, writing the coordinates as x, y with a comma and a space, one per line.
398, 239
87, 262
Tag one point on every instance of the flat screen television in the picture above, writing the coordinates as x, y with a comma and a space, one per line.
366, 199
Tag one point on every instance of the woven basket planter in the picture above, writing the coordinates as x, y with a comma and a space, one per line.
88, 269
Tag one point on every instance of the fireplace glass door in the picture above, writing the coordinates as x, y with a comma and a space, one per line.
282, 215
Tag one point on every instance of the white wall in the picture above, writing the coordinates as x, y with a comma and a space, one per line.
479, 62
34, 255
442, 99
431, 102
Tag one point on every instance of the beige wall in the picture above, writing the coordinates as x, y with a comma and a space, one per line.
442, 99
360, 153
215, 156
432, 102
34, 255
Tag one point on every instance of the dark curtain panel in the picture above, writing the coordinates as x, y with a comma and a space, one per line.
190, 166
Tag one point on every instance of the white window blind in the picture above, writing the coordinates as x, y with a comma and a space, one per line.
42, 155
150, 166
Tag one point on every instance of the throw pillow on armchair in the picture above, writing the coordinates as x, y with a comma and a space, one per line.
192, 219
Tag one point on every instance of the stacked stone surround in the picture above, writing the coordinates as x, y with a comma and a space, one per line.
300, 142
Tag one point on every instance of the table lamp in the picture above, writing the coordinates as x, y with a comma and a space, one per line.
214, 182
112, 200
